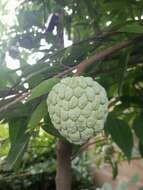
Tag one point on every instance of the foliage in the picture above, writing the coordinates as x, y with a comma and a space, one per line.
105, 34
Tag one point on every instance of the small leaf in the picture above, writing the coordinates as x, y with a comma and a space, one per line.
121, 134
43, 88
138, 127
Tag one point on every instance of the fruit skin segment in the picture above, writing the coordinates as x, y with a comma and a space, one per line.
78, 108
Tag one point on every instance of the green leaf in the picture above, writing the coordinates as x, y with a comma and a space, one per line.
132, 28
17, 126
138, 127
49, 128
121, 134
16, 152
114, 166
37, 115
43, 88
19, 140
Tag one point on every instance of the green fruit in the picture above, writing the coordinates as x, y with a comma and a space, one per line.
78, 107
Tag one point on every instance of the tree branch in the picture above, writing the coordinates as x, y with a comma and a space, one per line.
85, 63
105, 53
42, 60
18, 98
63, 175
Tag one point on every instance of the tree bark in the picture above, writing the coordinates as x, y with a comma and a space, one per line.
106, 53
63, 176
64, 148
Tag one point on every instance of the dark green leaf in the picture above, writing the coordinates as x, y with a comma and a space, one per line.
121, 134
141, 148
19, 140
114, 166
16, 152
138, 127
49, 128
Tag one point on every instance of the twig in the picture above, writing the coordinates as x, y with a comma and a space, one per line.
42, 60
86, 146
17, 99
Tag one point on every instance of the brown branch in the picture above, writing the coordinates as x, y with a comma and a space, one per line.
17, 99
105, 53
93, 38
132, 62
90, 39
60, 75
63, 174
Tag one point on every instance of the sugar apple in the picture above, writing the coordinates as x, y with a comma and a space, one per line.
78, 107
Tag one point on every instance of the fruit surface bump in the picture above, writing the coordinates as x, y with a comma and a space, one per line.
78, 107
